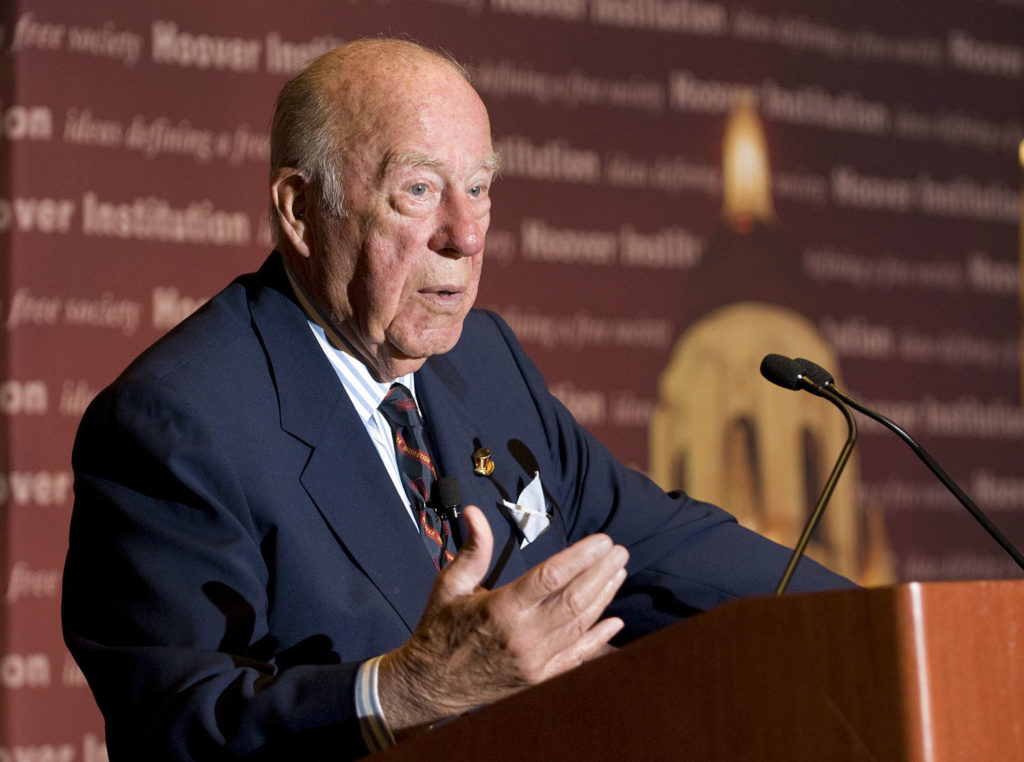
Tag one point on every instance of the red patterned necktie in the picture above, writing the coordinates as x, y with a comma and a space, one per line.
417, 469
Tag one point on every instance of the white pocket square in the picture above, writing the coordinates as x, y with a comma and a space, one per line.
530, 511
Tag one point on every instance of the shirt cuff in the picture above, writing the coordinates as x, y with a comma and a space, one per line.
376, 733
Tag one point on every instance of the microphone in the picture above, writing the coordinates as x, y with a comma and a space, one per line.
447, 498
791, 374
826, 381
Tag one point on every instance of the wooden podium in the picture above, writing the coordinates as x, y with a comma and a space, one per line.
921, 671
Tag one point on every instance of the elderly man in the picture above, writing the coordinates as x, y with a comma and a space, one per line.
259, 566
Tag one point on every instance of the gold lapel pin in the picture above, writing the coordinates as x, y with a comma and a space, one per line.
482, 463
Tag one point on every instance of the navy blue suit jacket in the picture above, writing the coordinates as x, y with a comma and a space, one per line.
237, 548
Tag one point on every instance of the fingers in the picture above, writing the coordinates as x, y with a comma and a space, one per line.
572, 612
581, 636
593, 644
464, 574
553, 608
582, 601
591, 562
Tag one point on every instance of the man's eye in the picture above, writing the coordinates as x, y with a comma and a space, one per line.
419, 189
476, 191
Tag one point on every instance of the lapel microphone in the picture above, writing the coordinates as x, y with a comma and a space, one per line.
447, 498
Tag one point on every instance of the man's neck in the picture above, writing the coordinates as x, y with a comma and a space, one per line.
384, 370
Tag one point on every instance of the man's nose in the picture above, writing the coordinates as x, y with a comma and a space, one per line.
462, 228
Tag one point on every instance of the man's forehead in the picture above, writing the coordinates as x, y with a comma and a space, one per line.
412, 112
385, 83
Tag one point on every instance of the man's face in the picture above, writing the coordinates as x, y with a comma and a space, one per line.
401, 271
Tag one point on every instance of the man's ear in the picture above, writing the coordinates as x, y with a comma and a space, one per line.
292, 200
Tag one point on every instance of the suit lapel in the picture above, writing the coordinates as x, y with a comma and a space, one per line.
344, 477
456, 432
355, 495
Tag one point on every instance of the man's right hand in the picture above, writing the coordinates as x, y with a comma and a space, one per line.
474, 646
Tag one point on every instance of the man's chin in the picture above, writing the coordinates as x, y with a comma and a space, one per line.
421, 346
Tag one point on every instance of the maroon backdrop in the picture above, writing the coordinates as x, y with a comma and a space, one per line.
134, 152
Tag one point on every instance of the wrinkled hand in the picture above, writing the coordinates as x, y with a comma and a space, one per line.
474, 646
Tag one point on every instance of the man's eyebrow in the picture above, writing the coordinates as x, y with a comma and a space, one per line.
404, 159
493, 162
